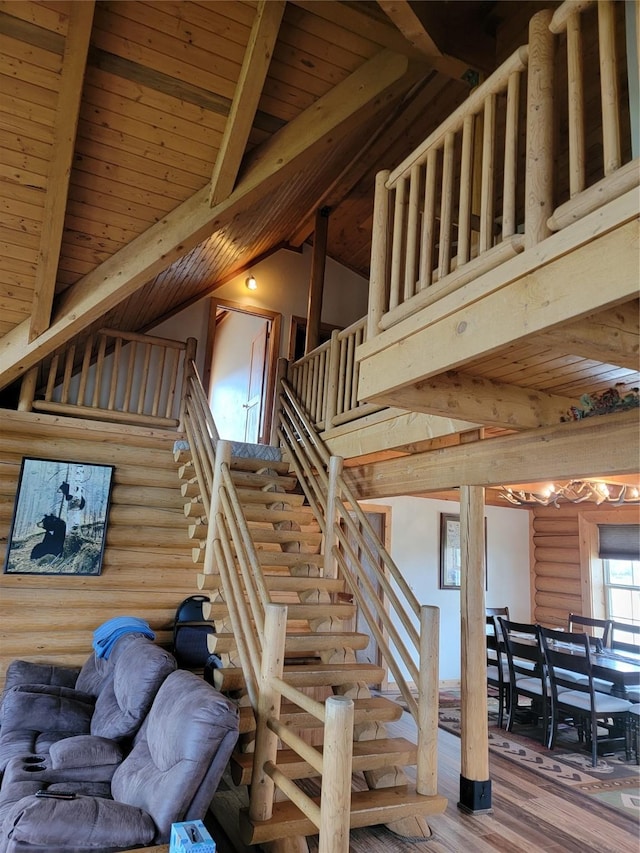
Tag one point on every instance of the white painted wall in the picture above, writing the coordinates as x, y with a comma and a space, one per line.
415, 548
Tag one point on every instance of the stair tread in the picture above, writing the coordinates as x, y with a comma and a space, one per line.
250, 478
257, 512
287, 558
242, 463
371, 709
258, 496
269, 535
367, 755
307, 675
368, 808
308, 642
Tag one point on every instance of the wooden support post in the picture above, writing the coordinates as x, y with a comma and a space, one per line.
475, 785
262, 787
281, 373
316, 286
332, 517
379, 252
28, 390
222, 457
335, 804
540, 129
428, 674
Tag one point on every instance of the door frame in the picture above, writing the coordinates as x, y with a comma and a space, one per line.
273, 353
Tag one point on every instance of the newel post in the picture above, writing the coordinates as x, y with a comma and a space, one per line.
282, 373
188, 372
428, 675
540, 130
28, 390
335, 803
379, 255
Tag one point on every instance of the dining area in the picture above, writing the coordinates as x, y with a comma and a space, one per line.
582, 679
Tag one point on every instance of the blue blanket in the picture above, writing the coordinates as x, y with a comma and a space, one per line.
107, 634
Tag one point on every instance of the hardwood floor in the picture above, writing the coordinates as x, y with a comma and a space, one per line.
529, 814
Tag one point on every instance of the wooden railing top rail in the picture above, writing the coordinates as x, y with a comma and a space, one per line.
565, 12
473, 104
342, 334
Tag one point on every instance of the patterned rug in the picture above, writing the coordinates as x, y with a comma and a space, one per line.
615, 782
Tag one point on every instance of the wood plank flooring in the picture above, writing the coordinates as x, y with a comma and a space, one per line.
530, 814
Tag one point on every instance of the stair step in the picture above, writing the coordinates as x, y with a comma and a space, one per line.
375, 709
301, 515
287, 559
250, 478
283, 582
307, 675
295, 611
241, 463
269, 535
368, 808
367, 755
309, 642
257, 496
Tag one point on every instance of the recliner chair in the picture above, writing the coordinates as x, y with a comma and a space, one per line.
170, 775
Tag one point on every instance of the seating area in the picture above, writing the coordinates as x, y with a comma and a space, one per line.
587, 676
107, 757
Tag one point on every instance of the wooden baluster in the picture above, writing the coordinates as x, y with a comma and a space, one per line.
398, 242
68, 373
428, 674
313, 369
187, 376
281, 374
86, 367
331, 398
102, 347
380, 238
575, 82
488, 168
335, 804
446, 207
332, 517
172, 382
155, 405
413, 219
357, 340
466, 175
115, 373
144, 375
51, 379
131, 369
348, 389
609, 87
427, 243
28, 390
341, 377
510, 157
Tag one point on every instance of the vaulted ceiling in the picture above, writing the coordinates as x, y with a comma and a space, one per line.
150, 150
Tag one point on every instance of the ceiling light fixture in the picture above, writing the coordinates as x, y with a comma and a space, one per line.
575, 491
251, 283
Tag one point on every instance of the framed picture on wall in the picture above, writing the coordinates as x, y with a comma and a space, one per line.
60, 518
450, 552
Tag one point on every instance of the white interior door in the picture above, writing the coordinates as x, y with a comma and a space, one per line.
255, 399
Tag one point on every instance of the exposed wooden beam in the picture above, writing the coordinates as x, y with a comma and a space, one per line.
74, 62
477, 399
612, 336
561, 291
247, 95
382, 77
598, 446
409, 24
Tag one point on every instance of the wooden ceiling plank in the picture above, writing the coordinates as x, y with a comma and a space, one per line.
409, 24
246, 98
381, 78
473, 398
71, 80
598, 446
611, 336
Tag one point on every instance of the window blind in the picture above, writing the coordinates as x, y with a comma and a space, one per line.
619, 541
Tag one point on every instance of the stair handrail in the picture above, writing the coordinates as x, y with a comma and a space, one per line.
338, 504
260, 630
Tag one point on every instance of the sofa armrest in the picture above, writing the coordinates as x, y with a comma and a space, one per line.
83, 823
84, 751
43, 708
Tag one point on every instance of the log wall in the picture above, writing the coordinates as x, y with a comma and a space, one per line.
563, 544
147, 568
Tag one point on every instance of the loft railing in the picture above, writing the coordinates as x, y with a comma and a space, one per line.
326, 380
259, 627
544, 141
121, 377
407, 633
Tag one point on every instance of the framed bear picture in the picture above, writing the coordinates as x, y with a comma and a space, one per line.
60, 518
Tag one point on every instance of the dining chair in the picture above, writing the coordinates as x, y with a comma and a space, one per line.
598, 629
566, 654
625, 637
497, 611
497, 667
527, 676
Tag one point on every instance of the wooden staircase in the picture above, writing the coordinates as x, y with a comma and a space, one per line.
320, 657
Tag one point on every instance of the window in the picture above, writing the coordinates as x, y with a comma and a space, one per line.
622, 590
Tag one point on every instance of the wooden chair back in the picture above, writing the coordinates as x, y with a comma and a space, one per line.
625, 637
598, 629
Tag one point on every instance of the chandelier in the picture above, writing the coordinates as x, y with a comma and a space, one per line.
575, 491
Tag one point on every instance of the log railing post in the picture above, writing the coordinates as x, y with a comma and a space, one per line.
335, 804
475, 785
222, 457
282, 371
332, 517
379, 254
187, 376
331, 408
266, 748
28, 390
540, 130
428, 674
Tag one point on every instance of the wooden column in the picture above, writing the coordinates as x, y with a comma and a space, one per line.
475, 785
316, 286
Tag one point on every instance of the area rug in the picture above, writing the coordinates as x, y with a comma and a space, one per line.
615, 782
